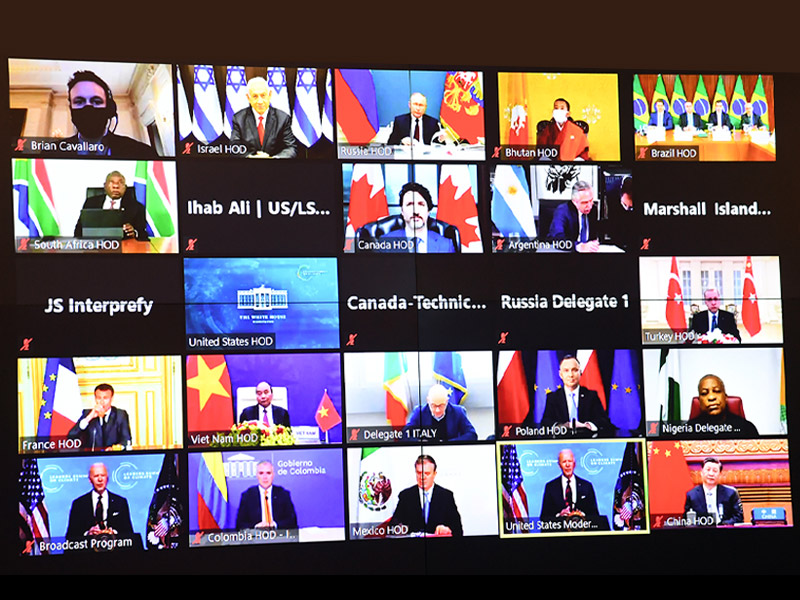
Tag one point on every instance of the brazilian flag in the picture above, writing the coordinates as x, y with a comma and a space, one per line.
719, 95
737, 104
640, 116
701, 106
676, 107
660, 93
759, 102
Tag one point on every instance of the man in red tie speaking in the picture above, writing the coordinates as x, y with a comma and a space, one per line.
265, 130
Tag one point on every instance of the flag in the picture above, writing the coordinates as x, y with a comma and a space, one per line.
641, 117
513, 403
356, 105
235, 96
34, 518
367, 198
395, 382
212, 493
659, 93
327, 416
669, 478
184, 116
737, 103
759, 102
512, 211
669, 386
515, 500
60, 404
676, 107
36, 209
720, 96
624, 402
629, 496
516, 111
447, 371
164, 515
590, 376
547, 380
376, 498
306, 124
150, 185
783, 394
276, 82
751, 319
676, 317
209, 401
461, 113
207, 124
327, 111
458, 206
701, 105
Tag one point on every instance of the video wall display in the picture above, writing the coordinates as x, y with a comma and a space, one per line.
437, 314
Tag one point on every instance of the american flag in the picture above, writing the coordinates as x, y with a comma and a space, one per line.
35, 522
515, 500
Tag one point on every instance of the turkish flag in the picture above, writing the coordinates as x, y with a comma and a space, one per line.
751, 319
676, 318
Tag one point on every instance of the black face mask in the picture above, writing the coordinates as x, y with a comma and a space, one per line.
90, 121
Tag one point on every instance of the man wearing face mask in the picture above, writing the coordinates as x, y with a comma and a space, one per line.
563, 133
94, 114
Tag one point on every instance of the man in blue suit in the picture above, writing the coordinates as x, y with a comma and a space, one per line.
439, 419
690, 119
265, 411
415, 126
710, 498
661, 118
719, 118
572, 221
415, 206
266, 505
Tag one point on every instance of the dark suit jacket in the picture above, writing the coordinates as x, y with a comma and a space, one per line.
442, 511
457, 425
436, 244
279, 141
282, 509
668, 122
697, 122
564, 225
757, 122
134, 214
402, 129
96, 436
727, 496
589, 409
119, 146
726, 323
726, 120
81, 516
553, 499
280, 415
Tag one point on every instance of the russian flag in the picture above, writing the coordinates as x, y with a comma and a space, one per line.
356, 105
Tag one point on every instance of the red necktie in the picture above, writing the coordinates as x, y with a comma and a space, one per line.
261, 130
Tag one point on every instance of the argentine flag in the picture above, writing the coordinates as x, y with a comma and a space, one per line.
512, 213
306, 124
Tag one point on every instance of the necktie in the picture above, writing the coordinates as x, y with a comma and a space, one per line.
417, 132
266, 418
584, 229
427, 505
573, 409
568, 493
267, 515
261, 130
113, 204
98, 511
713, 322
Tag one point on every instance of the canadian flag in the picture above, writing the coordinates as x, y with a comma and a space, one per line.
676, 317
751, 319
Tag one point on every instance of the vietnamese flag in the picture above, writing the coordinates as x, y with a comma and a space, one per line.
676, 317
751, 319
327, 417
209, 402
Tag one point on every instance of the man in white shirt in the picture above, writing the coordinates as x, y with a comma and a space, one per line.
266, 506
117, 197
415, 127
416, 205
99, 511
568, 495
265, 411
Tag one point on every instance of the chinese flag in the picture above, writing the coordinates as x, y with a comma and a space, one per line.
669, 478
676, 318
326, 415
751, 319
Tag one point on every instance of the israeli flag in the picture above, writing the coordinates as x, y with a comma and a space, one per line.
327, 112
306, 124
235, 95
184, 116
276, 81
207, 123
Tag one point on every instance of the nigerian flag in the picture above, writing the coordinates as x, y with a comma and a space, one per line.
676, 107
737, 104
150, 184
759, 102
669, 386
701, 106
660, 93
640, 116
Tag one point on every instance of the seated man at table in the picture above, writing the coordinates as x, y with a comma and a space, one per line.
661, 118
690, 120
719, 118
415, 126
750, 120
572, 221
564, 133
118, 198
